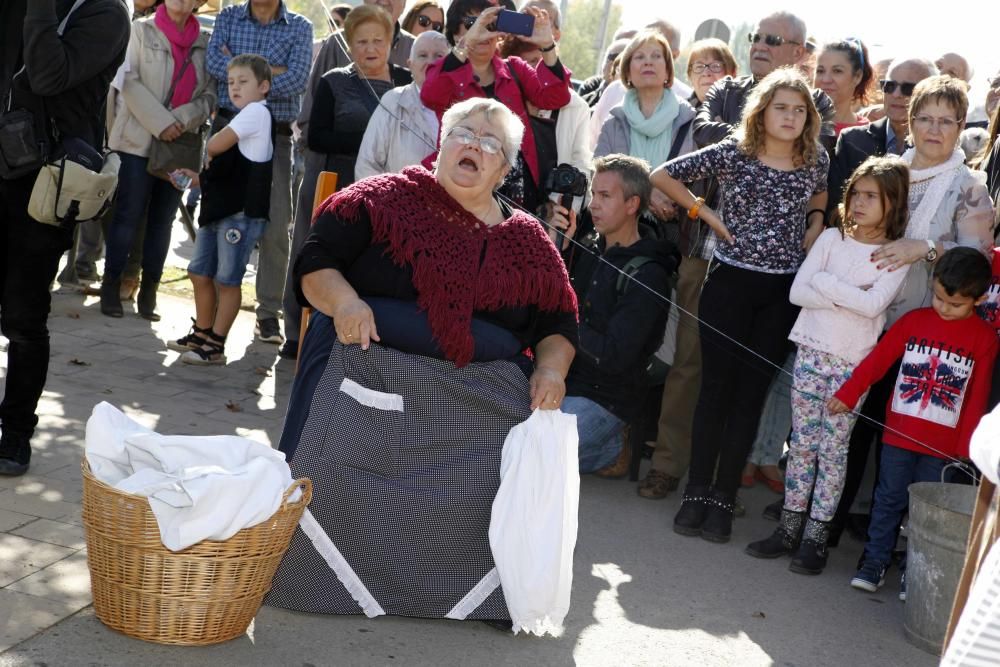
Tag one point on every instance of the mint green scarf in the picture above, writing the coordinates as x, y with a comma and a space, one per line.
651, 138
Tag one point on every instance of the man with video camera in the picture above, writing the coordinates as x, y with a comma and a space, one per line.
621, 321
57, 59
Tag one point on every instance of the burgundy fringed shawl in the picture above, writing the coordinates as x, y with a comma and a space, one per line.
427, 230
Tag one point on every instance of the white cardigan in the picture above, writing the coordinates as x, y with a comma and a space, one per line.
390, 144
843, 297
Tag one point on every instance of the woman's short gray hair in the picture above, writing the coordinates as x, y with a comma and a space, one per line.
510, 126
428, 36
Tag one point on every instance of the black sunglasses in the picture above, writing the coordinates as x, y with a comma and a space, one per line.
425, 21
770, 40
889, 87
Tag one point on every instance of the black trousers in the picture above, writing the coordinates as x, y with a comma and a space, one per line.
752, 309
29, 258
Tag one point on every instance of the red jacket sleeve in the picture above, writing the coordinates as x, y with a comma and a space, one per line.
441, 89
977, 400
876, 364
541, 86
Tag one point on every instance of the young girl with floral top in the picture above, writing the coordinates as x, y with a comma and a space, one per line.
844, 296
772, 176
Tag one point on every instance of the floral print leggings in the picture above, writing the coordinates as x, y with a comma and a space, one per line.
817, 453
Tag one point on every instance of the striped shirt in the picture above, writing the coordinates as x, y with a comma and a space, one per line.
286, 42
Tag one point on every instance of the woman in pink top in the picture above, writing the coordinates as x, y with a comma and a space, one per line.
844, 72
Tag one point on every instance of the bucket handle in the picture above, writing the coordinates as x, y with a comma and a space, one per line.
962, 466
305, 484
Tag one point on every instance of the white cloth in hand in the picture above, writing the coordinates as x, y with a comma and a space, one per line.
534, 521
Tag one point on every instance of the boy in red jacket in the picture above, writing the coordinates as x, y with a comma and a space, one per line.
940, 394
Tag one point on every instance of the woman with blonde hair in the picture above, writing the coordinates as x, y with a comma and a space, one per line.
772, 176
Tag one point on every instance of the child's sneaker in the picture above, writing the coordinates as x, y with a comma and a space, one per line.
870, 577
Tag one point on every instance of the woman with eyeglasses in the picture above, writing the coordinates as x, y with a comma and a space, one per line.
949, 204
424, 16
346, 97
428, 290
844, 72
474, 69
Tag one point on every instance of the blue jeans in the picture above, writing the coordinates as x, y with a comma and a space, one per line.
600, 432
897, 470
775, 419
223, 248
140, 196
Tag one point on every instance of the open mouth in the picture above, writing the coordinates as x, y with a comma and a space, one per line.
468, 164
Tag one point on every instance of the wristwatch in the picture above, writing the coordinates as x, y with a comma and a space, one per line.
931, 252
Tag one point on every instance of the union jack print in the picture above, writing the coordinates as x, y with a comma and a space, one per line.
932, 382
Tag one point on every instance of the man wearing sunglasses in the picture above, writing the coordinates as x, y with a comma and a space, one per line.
884, 136
778, 41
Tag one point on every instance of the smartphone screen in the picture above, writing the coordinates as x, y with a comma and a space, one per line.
515, 23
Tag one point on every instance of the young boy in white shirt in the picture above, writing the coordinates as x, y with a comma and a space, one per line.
236, 188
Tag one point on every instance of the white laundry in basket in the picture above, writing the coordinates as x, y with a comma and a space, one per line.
199, 487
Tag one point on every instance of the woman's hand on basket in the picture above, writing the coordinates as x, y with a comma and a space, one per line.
355, 323
547, 389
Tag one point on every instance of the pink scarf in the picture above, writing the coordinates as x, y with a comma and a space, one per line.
180, 46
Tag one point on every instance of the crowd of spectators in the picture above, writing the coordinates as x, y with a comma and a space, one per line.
736, 198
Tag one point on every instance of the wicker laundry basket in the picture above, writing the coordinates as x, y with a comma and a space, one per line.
205, 594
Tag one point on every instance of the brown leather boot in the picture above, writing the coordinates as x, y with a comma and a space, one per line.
620, 467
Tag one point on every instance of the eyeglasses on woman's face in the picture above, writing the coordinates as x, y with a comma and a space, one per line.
466, 137
699, 67
469, 21
425, 21
925, 122
769, 39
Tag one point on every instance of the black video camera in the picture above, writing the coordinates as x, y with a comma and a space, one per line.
567, 181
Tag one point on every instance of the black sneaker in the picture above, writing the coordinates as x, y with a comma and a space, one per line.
289, 350
268, 331
870, 576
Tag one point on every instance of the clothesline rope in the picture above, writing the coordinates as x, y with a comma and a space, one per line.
698, 321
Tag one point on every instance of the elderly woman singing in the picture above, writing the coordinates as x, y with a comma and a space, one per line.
452, 319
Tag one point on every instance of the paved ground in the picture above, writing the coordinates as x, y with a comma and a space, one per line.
642, 595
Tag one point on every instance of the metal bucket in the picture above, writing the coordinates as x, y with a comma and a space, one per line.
938, 530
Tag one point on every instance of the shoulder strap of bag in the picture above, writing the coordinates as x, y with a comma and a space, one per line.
173, 84
9, 101
513, 73
62, 26
628, 271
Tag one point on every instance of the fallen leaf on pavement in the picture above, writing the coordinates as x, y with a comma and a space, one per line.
759, 614
77, 362
73, 316
260, 370
233, 406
